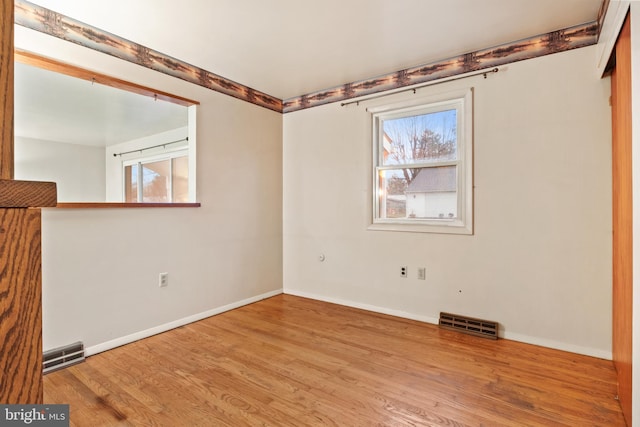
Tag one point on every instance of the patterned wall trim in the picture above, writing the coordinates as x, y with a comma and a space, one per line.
49, 22
556, 41
602, 13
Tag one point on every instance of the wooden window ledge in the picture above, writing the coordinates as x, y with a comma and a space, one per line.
106, 205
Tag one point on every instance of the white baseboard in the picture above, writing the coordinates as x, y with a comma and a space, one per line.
367, 307
587, 351
571, 348
99, 348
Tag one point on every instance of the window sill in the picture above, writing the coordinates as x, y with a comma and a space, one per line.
105, 205
451, 228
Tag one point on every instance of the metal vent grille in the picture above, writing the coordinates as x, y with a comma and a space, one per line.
469, 325
62, 357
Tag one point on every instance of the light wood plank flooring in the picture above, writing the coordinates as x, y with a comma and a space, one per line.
289, 361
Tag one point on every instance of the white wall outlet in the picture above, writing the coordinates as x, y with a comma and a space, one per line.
422, 273
403, 271
163, 280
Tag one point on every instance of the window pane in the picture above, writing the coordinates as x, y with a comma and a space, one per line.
421, 193
180, 177
155, 182
419, 139
392, 196
131, 184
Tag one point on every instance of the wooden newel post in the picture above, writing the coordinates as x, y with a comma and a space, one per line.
20, 256
6, 89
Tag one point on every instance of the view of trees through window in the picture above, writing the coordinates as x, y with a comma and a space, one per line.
417, 175
162, 181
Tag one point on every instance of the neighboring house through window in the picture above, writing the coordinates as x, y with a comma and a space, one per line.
433, 194
423, 164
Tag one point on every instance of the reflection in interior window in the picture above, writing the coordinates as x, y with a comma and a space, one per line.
164, 180
80, 135
180, 179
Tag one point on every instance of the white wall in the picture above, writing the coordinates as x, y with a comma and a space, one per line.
101, 266
78, 170
540, 259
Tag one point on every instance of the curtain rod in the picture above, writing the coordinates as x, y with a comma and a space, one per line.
432, 83
149, 148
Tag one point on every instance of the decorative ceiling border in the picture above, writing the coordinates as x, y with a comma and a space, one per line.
602, 13
57, 25
533, 47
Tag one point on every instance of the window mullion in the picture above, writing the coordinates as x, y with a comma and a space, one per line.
170, 186
140, 183
419, 165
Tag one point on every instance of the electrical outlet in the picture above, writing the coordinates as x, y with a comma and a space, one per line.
403, 271
164, 280
422, 273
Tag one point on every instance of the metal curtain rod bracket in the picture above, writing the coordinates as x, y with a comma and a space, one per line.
149, 148
415, 88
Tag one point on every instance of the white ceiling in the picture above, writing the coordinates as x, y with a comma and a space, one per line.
287, 48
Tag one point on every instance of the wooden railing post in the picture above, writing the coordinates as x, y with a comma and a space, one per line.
20, 250
6, 89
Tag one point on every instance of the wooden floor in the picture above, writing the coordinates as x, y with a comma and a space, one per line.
289, 361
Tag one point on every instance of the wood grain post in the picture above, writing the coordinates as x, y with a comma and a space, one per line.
622, 216
21, 289
20, 306
20, 250
6, 89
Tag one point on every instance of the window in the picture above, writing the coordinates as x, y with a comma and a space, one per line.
423, 165
119, 120
159, 179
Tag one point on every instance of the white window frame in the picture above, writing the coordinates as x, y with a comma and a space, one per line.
462, 102
168, 155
